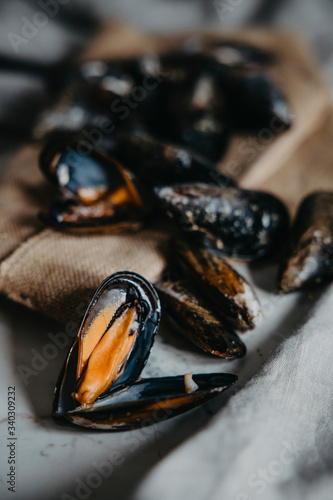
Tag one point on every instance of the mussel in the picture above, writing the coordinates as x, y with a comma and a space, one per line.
129, 88
229, 294
217, 86
235, 222
159, 163
104, 95
196, 116
98, 386
308, 259
94, 191
196, 54
180, 65
73, 112
232, 54
192, 315
255, 102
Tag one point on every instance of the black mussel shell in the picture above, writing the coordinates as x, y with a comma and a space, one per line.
180, 66
229, 294
129, 88
95, 71
195, 319
81, 110
94, 191
196, 116
158, 163
255, 102
211, 85
195, 54
150, 401
97, 386
101, 83
67, 116
236, 222
112, 345
237, 54
105, 96
308, 259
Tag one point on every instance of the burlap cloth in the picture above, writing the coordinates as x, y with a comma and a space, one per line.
57, 273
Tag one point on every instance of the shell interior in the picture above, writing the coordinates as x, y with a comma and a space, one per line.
113, 343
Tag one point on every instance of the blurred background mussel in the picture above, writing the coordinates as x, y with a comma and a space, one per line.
94, 192
196, 115
236, 55
236, 222
196, 96
105, 95
207, 300
228, 293
159, 163
98, 386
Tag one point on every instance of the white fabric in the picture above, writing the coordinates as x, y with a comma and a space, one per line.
274, 439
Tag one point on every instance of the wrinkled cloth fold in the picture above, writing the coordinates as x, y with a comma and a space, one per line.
274, 439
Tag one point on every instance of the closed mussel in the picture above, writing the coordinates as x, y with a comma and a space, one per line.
94, 191
196, 115
180, 65
77, 109
229, 294
130, 89
159, 163
236, 222
308, 259
98, 385
219, 84
255, 102
233, 54
103, 95
195, 54
194, 318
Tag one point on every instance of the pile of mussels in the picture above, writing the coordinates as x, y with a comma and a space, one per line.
138, 136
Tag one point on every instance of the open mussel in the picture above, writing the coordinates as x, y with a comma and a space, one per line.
159, 163
98, 385
94, 191
195, 319
229, 294
308, 259
236, 222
